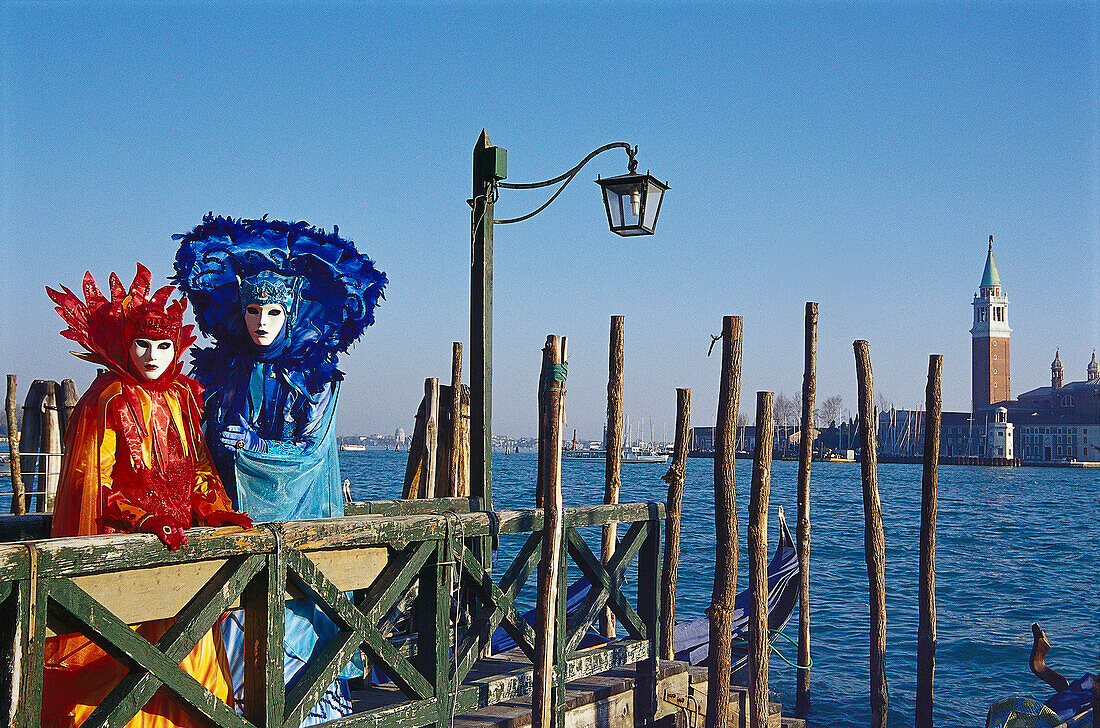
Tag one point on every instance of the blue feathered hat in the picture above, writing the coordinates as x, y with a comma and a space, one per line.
337, 290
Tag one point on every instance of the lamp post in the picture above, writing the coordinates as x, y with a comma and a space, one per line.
632, 202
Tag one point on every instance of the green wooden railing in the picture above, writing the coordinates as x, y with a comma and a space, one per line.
356, 568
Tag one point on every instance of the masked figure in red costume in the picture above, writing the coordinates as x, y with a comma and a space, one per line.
135, 461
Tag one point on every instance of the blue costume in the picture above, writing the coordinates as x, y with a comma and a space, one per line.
270, 409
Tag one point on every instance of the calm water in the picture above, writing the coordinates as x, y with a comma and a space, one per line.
1014, 546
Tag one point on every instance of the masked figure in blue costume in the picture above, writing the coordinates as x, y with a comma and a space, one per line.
281, 300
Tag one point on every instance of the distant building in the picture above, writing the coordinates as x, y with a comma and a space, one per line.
1059, 422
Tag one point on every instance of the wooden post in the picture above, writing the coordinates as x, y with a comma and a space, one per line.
544, 705
725, 526
926, 631
455, 458
675, 479
490, 164
18, 494
51, 444
874, 542
805, 453
758, 563
69, 398
33, 467
614, 450
431, 439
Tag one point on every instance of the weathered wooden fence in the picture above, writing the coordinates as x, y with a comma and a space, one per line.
97, 585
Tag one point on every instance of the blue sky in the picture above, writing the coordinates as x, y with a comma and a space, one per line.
858, 155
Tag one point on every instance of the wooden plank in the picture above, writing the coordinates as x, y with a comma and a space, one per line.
350, 569
420, 506
142, 595
81, 555
411, 714
505, 686
14, 562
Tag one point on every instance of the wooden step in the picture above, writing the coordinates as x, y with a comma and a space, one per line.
605, 701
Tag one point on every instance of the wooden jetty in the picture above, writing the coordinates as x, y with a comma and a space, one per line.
97, 585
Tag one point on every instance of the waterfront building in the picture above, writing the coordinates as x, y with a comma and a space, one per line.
1059, 422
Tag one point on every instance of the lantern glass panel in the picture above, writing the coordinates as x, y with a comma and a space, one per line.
652, 199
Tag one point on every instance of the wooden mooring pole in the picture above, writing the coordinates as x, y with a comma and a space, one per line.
759, 645
614, 450
805, 456
431, 439
926, 631
874, 542
545, 692
18, 494
725, 526
675, 479
455, 486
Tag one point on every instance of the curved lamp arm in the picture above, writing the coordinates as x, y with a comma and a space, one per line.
566, 178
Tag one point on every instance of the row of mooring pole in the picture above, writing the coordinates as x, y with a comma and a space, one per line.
875, 544
548, 689
35, 443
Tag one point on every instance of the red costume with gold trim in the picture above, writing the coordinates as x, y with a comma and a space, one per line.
134, 455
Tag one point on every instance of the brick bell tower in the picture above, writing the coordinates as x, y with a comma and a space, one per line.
991, 378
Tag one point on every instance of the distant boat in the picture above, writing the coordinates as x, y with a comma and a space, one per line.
633, 454
636, 454
584, 454
350, 447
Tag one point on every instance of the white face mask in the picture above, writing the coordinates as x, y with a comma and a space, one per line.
264, 321
152, 357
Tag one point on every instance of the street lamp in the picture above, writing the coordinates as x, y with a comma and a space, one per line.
632, 202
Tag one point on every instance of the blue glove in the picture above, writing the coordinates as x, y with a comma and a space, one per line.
241, 437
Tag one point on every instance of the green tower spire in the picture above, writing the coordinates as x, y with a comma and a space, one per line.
990, 277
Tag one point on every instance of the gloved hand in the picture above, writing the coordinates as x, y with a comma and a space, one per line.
229, 518
241, 437
166, 530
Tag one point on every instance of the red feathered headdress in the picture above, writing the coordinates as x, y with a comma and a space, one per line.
105, 328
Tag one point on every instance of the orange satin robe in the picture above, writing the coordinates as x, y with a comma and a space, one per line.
108, 485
